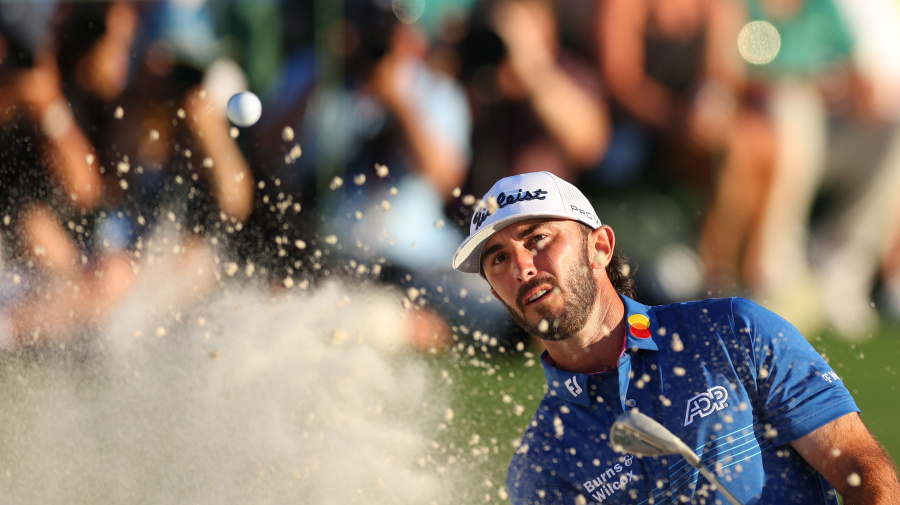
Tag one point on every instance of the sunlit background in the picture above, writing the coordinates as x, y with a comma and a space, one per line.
215, 301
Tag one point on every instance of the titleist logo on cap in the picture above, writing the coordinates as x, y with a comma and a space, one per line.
504, 200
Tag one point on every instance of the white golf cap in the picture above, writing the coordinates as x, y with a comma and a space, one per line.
517, 198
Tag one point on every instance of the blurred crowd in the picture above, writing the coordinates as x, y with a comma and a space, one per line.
737, 147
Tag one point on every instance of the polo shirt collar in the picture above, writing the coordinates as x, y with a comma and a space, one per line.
642, 332
569, 386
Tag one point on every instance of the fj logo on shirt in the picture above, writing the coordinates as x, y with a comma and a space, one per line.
573, 387
706, 403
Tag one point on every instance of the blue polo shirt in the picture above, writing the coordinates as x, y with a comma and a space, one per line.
736, 382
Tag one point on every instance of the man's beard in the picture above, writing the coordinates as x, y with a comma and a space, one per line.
578, 301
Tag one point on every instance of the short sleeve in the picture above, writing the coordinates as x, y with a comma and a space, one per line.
798, 391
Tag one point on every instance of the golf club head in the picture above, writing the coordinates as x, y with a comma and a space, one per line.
635, 433
638, 434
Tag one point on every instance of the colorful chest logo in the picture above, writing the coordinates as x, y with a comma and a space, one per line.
639, 326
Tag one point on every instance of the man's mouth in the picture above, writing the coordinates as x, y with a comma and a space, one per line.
537, 295
535, 290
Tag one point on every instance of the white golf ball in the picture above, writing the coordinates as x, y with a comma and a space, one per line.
244, 108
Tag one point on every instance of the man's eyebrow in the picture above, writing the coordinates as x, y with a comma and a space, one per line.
524, 233
530, 229
490, 250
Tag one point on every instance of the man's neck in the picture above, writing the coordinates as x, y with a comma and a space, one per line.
600, 344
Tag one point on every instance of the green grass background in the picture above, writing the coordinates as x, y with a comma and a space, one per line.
493, 399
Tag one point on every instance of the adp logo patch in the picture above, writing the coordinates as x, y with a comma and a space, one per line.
706, 403
639, 326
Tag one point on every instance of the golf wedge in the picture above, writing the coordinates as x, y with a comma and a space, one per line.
638, 434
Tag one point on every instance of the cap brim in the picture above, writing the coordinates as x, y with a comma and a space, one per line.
468, 255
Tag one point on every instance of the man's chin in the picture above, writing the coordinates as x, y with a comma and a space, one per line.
539, 321
552, 337
546, 327
553, 326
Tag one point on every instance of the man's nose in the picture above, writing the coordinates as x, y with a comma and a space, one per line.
523, 261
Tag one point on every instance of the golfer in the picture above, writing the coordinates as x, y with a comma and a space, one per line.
734, 381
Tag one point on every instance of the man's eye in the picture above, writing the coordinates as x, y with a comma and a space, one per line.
498, 258
539, 241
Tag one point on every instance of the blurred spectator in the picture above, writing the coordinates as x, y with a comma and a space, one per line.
834, 175
668, 65
178, 167
126, 146
58, 277
536, 104
864, 245
673, 68
385, 141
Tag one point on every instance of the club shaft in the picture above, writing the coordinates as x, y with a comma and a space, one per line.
711, 477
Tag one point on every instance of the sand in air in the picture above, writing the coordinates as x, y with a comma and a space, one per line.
307, 397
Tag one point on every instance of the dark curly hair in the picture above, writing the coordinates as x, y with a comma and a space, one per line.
621, 275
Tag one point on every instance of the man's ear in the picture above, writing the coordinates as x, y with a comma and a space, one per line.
601, 243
